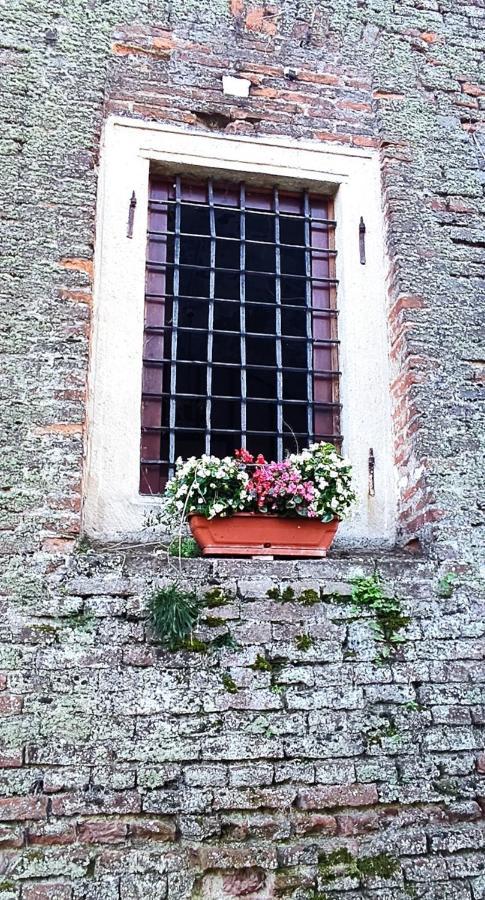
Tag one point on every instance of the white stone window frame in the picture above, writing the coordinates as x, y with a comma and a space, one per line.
113, 508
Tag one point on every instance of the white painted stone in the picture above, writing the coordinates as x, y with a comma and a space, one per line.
235, 87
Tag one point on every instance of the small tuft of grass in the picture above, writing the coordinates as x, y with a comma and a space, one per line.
184, 548
229, 683
304, 642
174, 613
309, 597
216, 597
262, 664
446, 585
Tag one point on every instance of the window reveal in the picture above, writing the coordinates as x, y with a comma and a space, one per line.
240, 341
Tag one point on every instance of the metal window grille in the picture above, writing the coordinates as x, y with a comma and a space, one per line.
240, 341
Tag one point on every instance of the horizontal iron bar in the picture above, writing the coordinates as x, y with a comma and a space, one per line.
161, 267
202, 398
161, 329
162, 298
236, 240
156, 204
158, 363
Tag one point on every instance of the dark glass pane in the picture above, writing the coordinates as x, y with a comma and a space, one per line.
261, 383
261, 416
226, 381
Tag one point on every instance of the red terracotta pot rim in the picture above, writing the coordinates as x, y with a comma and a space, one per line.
266, 516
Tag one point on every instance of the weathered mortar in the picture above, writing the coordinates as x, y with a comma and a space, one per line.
131, 772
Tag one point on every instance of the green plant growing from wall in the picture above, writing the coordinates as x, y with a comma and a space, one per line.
446, 585
229, 683
304, 642
173, 614
216, 597
341, 864
184, 548
389, 618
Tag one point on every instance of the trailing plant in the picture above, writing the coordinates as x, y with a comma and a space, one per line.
173, 613
389, 619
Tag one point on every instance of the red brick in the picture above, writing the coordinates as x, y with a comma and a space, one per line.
10, 704
316, 824
77, 803
262, 18
66, 428
11, 836
476, 90
154, 829
50, 834
48, 891
335, 795
58, 545
11, 759
78, 264
359, 822
481, 763
365, 141
20, 808
102, 832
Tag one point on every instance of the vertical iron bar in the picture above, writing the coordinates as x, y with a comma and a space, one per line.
309, 322
279, 350
210, 315
175, 315
242, 308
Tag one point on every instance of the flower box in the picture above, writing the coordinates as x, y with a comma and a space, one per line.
253, 534
242, 505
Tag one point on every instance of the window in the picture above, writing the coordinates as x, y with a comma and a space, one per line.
132, 324
240, 340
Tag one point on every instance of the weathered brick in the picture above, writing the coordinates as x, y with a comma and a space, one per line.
337, 795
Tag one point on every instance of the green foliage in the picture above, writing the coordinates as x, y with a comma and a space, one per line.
224, 640
446, 585
83, 545
340, 863
262, 664
282, 596
213, 621
367, 593
304, 642
216, 597
309, 597
229, 683
82, 620
174, 613
191, 644
184, 548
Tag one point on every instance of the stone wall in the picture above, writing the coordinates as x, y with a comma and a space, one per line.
312, 772
279, 757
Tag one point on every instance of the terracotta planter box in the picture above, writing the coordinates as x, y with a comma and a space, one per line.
251, 534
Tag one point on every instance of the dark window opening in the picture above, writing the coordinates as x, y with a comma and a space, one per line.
240, 341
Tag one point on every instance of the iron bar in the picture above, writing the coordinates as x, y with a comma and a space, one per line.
308, 317
210, 315
175, 304
242, 310
278, 344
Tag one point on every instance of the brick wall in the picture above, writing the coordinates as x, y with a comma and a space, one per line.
132, 772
